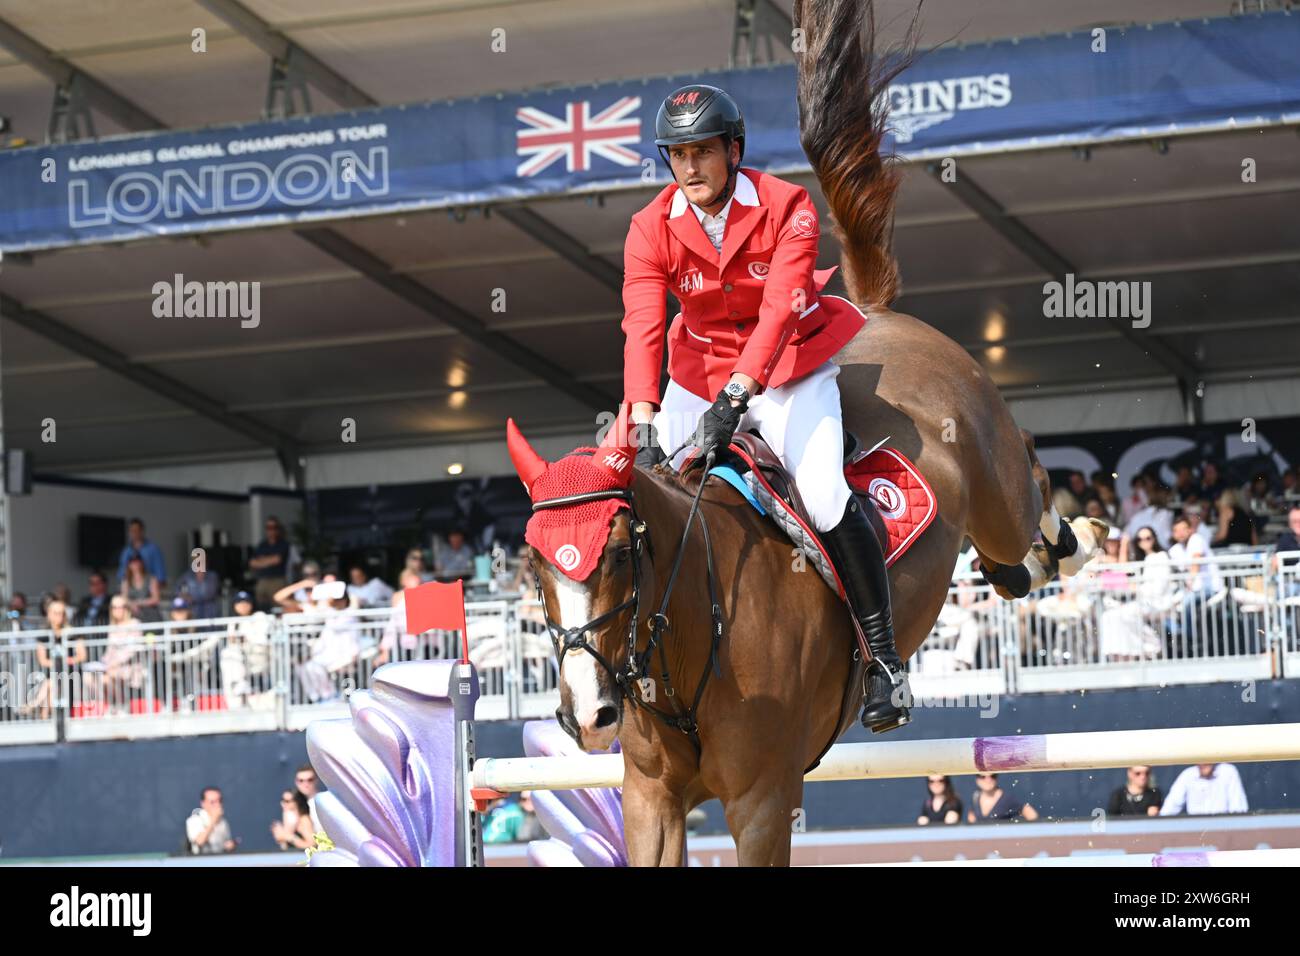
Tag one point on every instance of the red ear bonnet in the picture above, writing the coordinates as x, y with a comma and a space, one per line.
527, 462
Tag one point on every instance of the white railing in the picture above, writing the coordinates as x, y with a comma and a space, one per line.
1148, 623
1119, 625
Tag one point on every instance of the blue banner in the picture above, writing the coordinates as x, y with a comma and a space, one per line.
1009, 95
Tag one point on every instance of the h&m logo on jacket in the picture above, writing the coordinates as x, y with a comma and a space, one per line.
692, 280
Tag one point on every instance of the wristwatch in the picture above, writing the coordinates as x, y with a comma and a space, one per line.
736, 393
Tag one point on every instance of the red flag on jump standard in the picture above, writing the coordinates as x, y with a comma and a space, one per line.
437, 607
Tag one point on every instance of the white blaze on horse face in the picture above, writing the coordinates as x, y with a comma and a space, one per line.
578, 669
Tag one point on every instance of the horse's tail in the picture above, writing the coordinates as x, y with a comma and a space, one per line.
843, 114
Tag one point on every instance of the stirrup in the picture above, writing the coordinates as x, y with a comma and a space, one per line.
900, 713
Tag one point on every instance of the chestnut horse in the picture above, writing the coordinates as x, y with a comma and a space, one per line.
773, 701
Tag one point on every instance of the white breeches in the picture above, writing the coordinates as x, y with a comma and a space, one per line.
802, 423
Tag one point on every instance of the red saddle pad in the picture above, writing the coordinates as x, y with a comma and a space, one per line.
903, 497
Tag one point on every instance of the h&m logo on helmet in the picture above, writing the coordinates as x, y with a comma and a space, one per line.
888, 497
759, 270
804, 223
687, 97
568, 557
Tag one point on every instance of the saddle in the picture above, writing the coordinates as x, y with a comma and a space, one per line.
749, 453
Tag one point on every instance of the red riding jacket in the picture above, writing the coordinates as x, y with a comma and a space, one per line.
753, 309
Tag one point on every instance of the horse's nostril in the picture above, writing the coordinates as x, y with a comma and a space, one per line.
606, 716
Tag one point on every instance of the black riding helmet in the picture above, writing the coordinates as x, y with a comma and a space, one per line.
697, 112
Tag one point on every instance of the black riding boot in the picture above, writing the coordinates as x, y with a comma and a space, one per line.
861, 564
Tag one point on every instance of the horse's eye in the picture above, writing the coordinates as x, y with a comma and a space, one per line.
623, 555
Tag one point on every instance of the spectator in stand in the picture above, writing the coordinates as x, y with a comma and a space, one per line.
203, 591
1081, 489
990, 803
246, 657
1189, 554
1211, 484
142, 590
1139, 797
367, 592
455, 559
1205, 789
92, 611
1155, 516
56, 622
334, 650
207, 829
1112, 579
1290, 485
1235, 524
1093, 508
1260, 499
1185, 483
269, 565
296, 597
294, 830
1288, 540
395, 635
17, 611
513, 821
415, 563
1194, 513
194, 658
124, 674
242, 604
1136, 500
179, 611
941, 804
137, 543
1104, 486
307, 783
1129, 629
1149, 552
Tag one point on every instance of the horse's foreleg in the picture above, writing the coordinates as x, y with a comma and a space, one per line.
654, 822
762, 820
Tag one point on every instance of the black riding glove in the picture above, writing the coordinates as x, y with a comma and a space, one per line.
649, 453
716, 426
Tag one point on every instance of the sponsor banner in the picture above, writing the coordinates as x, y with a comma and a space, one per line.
1022, 94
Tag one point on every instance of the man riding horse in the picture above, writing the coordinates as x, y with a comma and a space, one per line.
720, 672
751, 348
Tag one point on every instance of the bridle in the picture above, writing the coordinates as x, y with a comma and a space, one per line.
637, 663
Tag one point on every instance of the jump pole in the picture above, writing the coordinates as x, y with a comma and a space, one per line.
1246, 743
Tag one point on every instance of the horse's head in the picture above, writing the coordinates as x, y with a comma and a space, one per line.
588, 554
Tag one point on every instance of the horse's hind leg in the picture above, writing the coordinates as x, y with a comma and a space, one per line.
1071, 544
1068, 545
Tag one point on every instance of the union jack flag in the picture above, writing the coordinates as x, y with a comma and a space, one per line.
578, 136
